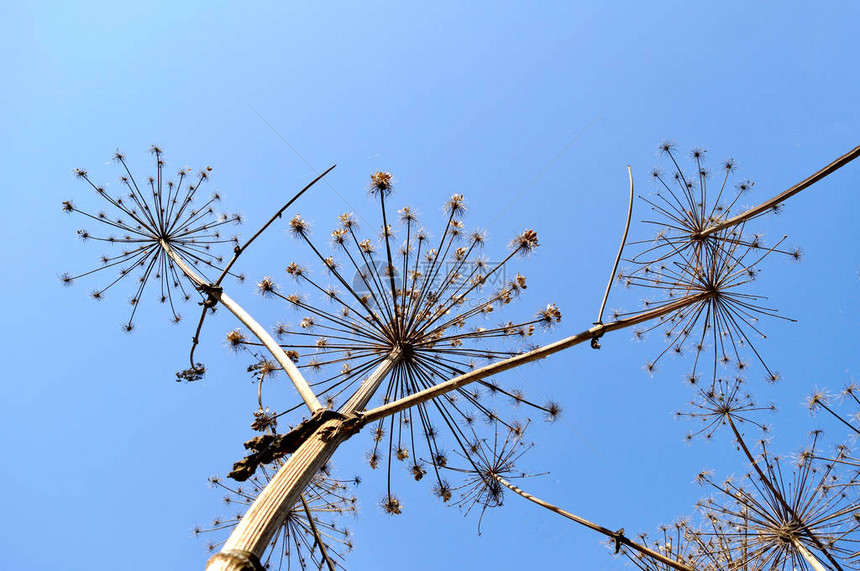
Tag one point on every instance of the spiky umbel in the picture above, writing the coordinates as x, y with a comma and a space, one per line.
430, 302
686, 258
145, 216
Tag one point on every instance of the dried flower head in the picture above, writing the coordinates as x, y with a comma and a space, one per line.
381, 183
803, 519
146, 222
688, 258
724, 402
485, 464
424, 305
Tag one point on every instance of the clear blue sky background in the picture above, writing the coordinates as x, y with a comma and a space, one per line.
531, 111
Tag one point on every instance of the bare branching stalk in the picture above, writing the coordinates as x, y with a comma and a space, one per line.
409, 330
617, 536
523, 358
258, 330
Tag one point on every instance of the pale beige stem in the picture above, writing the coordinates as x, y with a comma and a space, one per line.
523, 358
810, 558
781, 197
258, 330
620, 248
617, 536
260, 523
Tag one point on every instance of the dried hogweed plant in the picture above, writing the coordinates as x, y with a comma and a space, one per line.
166, 238
804, 516
421, 308
786, 518
724, 403
157, 227
316, 439
695, 254
407, 323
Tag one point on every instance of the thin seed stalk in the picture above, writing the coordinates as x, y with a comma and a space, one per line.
615, 535
258, 330
258, 526
329, 563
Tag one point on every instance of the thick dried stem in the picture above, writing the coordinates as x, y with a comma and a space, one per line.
260, 523
810, 558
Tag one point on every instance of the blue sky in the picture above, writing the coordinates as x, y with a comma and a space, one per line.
531, 111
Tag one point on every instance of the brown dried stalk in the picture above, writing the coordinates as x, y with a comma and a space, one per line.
616, 536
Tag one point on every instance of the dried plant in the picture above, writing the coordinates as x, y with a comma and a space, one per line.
168, 239
402, 327
142, 220
724, 402
807, 518
801, 517
427, 302
484, 467
687, 257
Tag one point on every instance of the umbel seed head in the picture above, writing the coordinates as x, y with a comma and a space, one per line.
381, 183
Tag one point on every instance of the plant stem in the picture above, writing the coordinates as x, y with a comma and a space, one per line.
260, 523
239, 249
259, 332
617, 536
620, 249
523, 358
788, 193
316, 533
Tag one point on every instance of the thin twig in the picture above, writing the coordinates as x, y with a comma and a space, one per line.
239, 249
617, 536
196, 339
620, 249
316, 533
